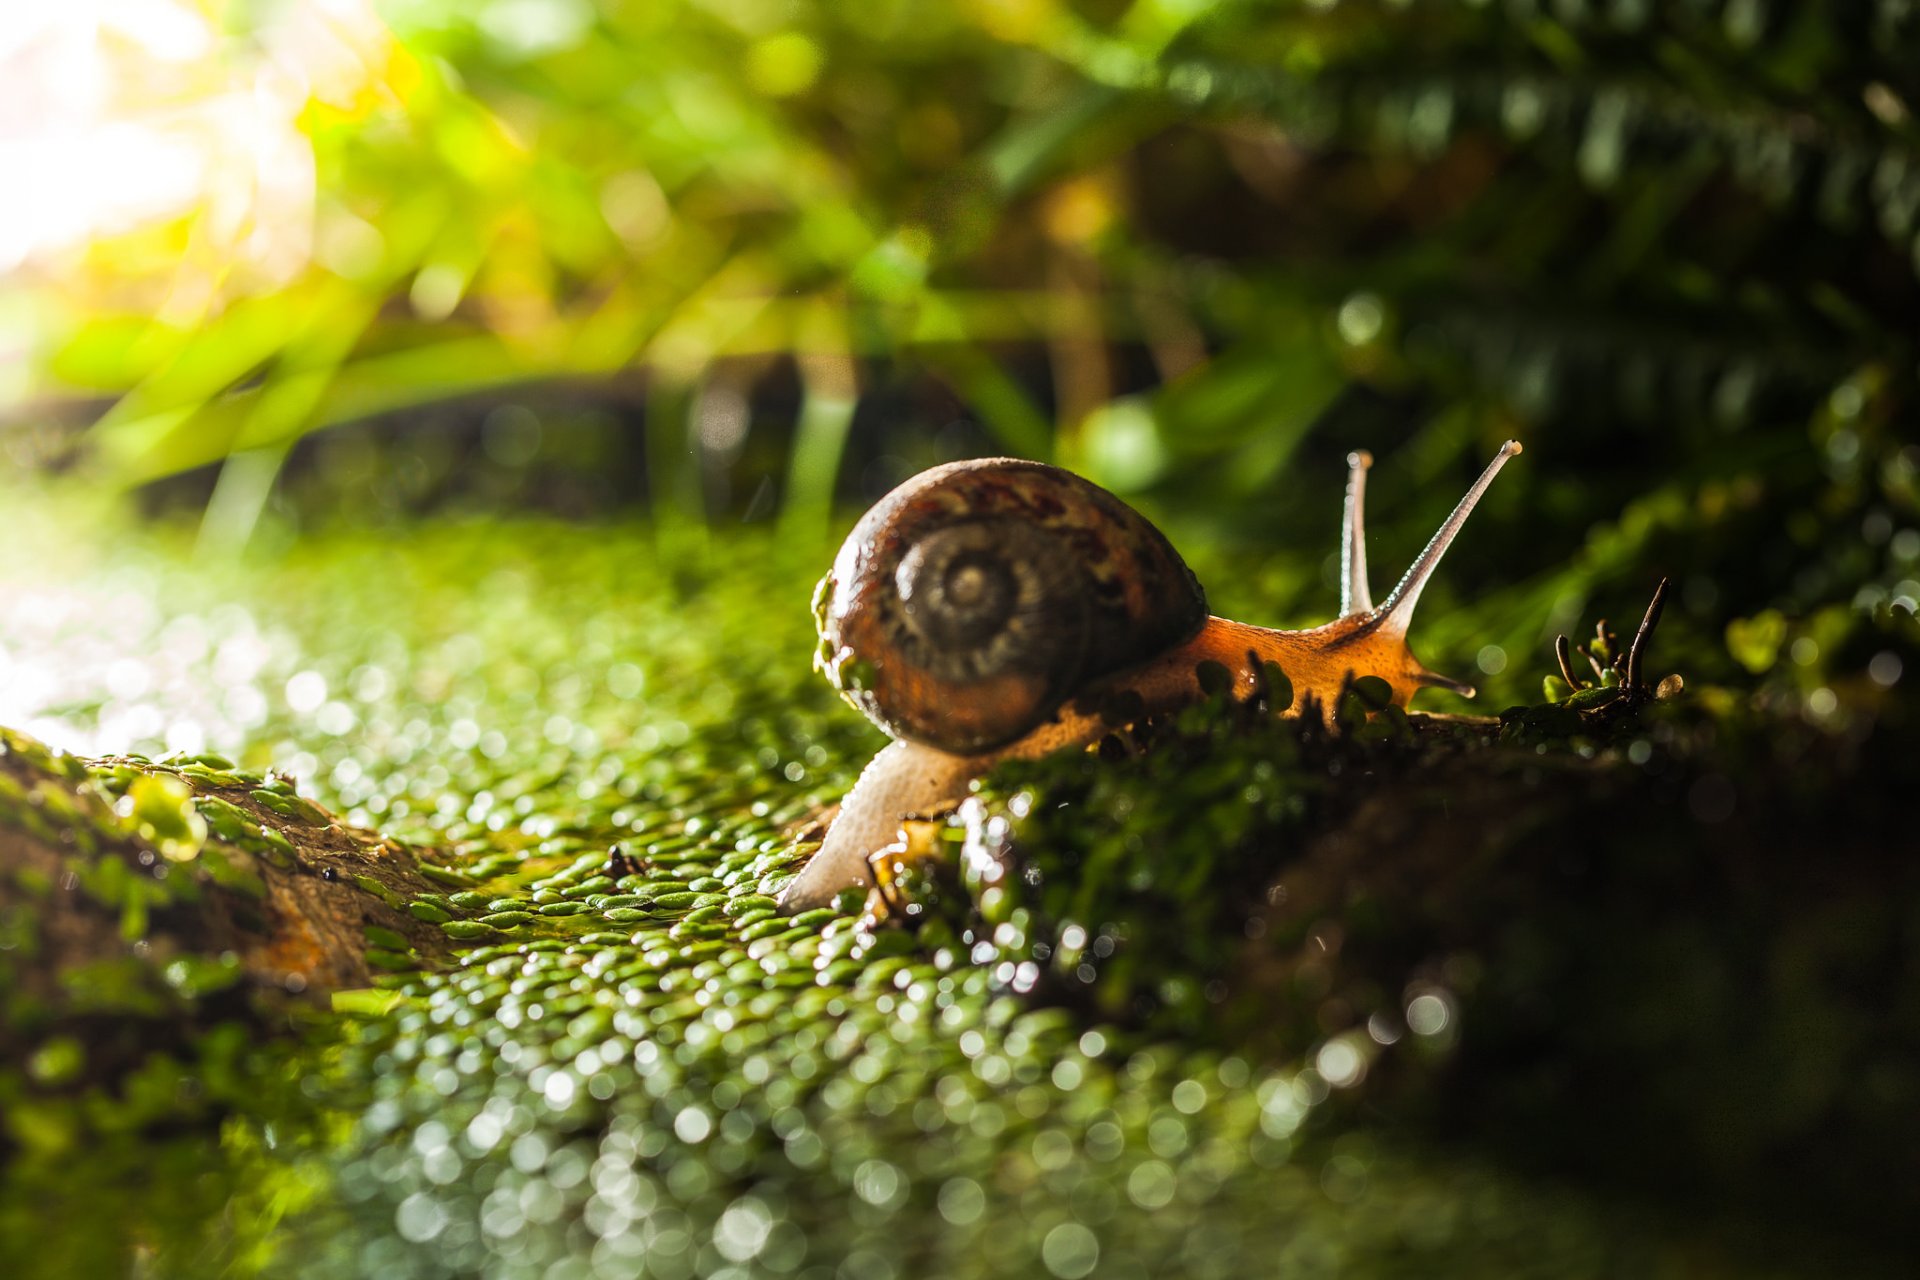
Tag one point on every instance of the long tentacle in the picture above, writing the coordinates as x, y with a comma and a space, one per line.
1355, 596
1397, 612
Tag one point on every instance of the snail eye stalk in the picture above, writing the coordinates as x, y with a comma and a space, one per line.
1397, 612
1355, 597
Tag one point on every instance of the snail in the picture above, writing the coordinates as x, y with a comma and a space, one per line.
998, 609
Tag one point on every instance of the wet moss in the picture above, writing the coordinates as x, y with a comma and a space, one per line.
630, 1066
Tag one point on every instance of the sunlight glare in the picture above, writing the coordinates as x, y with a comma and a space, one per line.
121, 114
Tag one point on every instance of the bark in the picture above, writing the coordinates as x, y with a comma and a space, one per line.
139, 901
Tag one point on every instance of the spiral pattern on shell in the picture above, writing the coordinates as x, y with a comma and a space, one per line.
974, 599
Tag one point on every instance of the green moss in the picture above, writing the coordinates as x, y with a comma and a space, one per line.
445, 875
367, 884
290, 806
226, 821
164, 815
641, 1063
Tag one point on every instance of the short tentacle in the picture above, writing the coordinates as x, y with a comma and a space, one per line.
1434, 680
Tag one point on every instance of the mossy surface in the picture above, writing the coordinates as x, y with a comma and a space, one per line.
631, 1065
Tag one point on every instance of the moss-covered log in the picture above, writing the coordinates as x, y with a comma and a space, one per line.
1592, 956
142, 903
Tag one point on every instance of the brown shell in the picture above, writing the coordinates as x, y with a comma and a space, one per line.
1140, 599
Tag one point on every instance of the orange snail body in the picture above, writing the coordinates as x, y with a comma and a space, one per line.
987, 610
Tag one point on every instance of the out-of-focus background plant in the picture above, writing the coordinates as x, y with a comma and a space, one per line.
740, 258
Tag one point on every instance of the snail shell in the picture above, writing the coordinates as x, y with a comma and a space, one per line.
970, 602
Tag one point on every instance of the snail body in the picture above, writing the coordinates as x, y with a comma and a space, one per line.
1001, 609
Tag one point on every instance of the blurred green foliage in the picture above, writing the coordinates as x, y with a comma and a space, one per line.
1196, 251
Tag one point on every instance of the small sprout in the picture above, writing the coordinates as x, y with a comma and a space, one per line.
1563, 653
1619, 675
1633, 673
